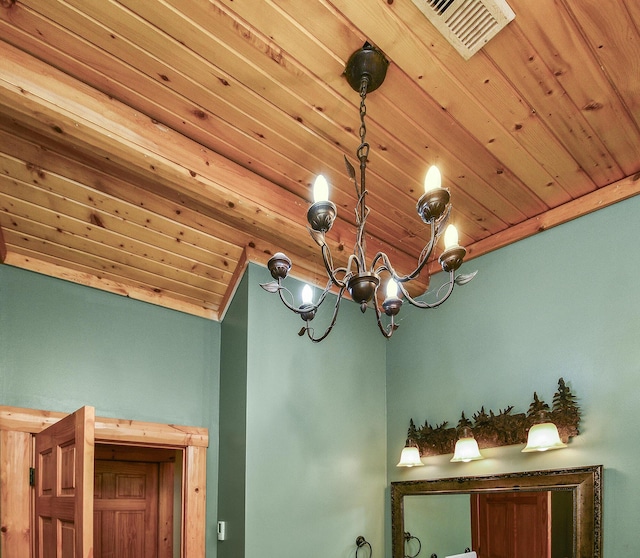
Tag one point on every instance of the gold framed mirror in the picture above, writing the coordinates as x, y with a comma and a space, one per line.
582, 484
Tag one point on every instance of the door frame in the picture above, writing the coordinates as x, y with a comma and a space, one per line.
17, 427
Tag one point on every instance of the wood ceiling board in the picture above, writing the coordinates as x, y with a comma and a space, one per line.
559, 44
170, 220
110, 242
467, 95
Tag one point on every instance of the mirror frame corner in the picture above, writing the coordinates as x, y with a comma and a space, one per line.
585, 482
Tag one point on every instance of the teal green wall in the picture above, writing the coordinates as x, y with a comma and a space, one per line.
307, 427
316, 431
63, 346
233, 424
565, 304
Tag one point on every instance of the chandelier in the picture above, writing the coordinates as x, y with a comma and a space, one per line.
365, 71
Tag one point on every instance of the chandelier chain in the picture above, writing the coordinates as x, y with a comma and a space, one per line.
361, 209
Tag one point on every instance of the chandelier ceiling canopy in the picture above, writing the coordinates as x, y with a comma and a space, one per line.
365, 72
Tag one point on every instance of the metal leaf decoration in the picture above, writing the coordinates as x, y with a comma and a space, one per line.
464, 279
272, 287
350, 170
318, 237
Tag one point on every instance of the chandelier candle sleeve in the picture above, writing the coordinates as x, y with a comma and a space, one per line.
391, 304
433, 179
307, 295
322, 212
320, 189
391, 289
450, 237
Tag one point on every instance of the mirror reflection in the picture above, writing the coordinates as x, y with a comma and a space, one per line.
541, 514
447, 524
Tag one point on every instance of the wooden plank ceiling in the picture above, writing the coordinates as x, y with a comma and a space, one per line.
151, 148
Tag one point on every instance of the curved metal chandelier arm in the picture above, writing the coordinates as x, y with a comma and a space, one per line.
386, 264
331, 272
277, 286
422, 260
423, 304
310, 331
390, 327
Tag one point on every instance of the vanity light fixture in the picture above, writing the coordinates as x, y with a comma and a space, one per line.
466, 447
365, 71
491, 430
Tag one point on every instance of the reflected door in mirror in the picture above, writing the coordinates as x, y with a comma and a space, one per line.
511, 524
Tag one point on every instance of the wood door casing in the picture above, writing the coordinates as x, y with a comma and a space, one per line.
64, 487
125, 509
18, 425
511, 524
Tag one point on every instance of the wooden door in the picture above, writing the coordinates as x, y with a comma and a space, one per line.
511, 525
64, 487
126, 509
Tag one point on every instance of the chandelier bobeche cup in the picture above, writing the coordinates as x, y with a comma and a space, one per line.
365, 72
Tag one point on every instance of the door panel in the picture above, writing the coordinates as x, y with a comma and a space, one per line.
64, 487
511, 525
126, 509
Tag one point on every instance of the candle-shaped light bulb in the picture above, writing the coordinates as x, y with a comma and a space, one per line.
450, 237
307, 295
392, 289
320, 189
433, 179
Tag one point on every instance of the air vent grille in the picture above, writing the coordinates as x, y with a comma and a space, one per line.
467, 24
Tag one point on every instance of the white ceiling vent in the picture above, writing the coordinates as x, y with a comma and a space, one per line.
467, 24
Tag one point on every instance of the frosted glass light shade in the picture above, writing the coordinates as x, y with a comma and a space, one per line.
466, 450
543, 437
410, 457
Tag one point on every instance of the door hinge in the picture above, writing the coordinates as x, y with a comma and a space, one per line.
32, 476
